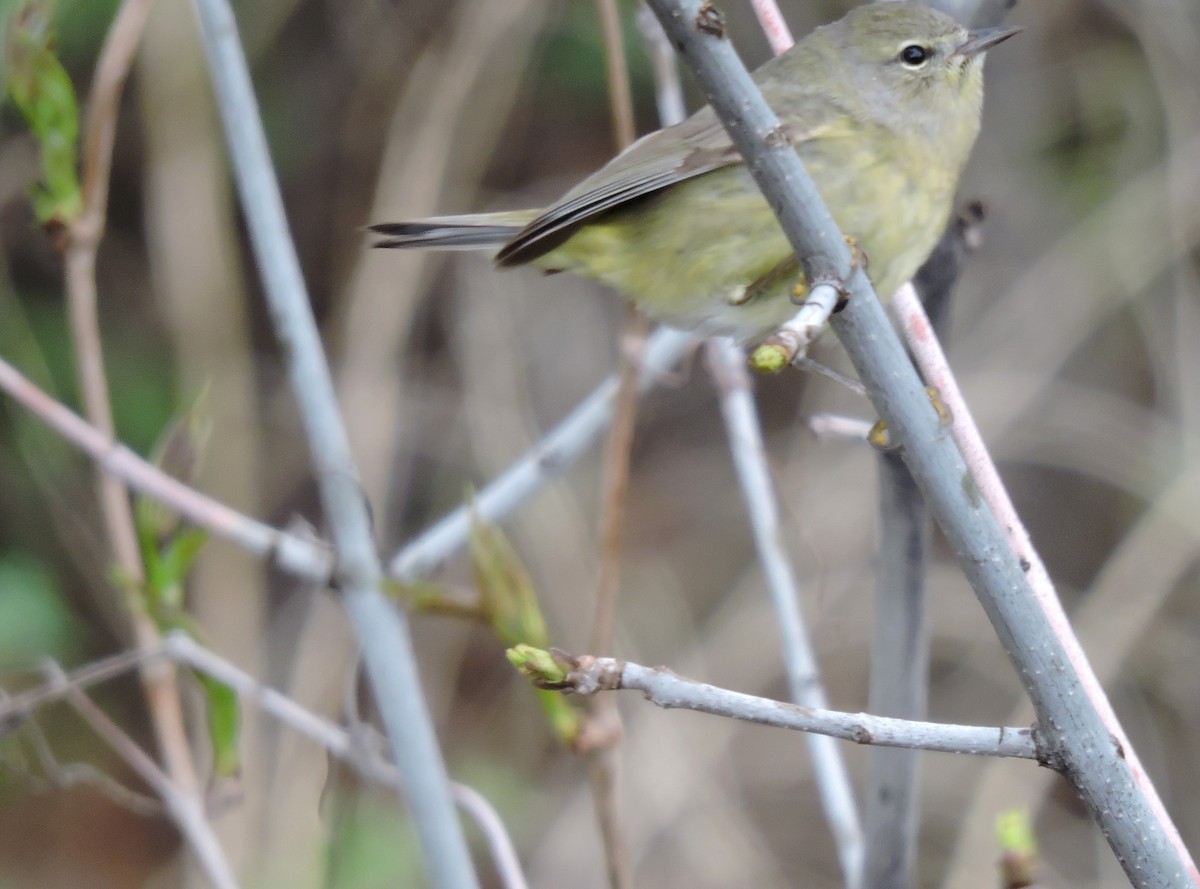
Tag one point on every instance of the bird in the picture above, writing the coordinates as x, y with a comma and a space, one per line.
883, 107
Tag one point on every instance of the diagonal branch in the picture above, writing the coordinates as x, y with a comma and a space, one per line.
1117, 794
381, 629
291, 552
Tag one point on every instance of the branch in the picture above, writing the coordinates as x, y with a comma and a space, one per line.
727, 365
82, 241
187, 809
1145, 842
381, 629
545, 461
603, 727
291, 552
346, 747
588, 675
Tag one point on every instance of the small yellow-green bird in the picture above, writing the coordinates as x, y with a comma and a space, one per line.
882, 106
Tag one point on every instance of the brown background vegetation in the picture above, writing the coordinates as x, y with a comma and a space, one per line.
1076, 332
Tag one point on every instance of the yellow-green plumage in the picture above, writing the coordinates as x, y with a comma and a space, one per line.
677, 224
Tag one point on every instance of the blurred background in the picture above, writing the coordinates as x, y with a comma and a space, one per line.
1075, 332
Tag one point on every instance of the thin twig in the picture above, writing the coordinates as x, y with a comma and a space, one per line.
291, 552
1111, 785
616, 478
668, 89
899, 675
773, 25
14, 708
381, 629
347, 747
824, 425
83, 239
66, 775
344, 745
929, 357
604, 731
588, 675
791, 340
557, 450
186, 809
620, 99
727, 365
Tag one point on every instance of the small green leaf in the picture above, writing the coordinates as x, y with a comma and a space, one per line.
508, 597
176, 558
179, 452
169, 547
224, 725
42, 91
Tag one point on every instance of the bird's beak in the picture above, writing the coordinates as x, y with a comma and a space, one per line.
984, 39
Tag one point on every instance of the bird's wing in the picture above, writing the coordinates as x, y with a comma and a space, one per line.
690, 148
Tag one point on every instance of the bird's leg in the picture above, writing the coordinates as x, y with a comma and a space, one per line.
858, 256
785, 268
858, 260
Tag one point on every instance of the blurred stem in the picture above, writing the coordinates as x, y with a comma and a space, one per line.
604, 766
633, 342
899, 675
899, 680
731, 376
619, 95
83, 239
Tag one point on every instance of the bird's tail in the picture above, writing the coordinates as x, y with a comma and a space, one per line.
473, 232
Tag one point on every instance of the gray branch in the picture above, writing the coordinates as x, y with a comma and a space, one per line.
1143, 839
588, 675
381, 629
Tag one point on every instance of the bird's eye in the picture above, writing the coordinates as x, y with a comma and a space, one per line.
914, 55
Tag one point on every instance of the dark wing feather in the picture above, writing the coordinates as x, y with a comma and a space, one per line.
691, 148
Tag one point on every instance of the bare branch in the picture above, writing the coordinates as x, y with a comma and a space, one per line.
381, 628
1145, 842
291, 552
187, 810
588, 675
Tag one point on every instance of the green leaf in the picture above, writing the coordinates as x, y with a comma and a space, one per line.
179, 452
224, 725
222, 709
169, 547
42, 91
505, 588
175, 560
